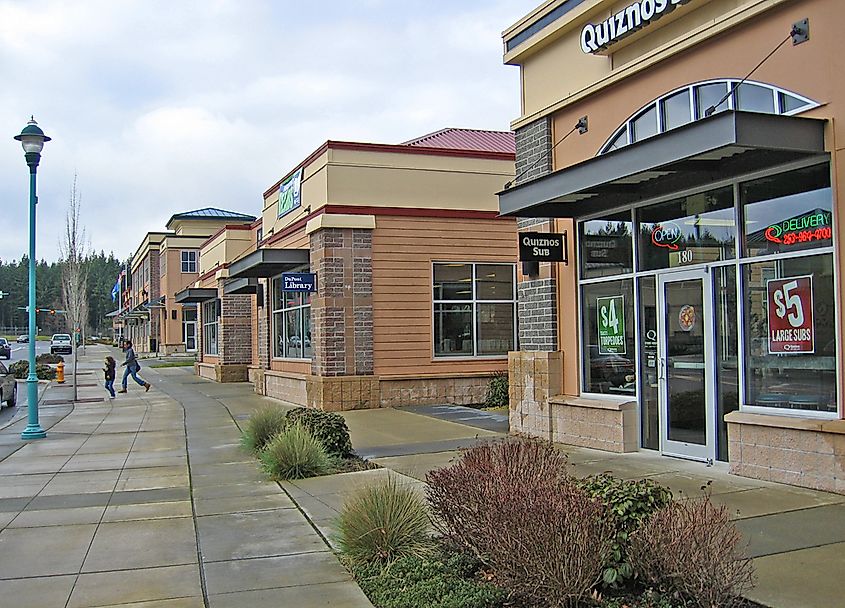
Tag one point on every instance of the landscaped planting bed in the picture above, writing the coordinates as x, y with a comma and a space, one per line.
508, 525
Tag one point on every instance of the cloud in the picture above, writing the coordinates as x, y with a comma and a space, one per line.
162, 107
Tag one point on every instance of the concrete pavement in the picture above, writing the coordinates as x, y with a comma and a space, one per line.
148, 501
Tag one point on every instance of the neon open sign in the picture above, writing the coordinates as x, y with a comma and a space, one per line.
666, 235
815, 227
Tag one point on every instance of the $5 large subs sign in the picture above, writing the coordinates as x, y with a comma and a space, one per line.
790, 306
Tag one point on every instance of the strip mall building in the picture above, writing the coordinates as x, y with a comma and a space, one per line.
699, 313
412, 277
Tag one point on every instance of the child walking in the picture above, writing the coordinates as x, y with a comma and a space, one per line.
109, 372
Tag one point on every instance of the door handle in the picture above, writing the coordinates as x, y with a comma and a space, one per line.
661, 368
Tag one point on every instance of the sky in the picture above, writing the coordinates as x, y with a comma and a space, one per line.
163, 106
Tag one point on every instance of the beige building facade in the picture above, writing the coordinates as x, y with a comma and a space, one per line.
692, 152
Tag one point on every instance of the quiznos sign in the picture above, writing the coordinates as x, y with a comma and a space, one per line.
596, 37
540, 247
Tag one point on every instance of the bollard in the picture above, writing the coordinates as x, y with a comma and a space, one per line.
60, 372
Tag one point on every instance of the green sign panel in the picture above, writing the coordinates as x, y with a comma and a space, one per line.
611, 320
290, 193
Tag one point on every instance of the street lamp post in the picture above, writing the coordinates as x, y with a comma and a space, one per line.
32, 139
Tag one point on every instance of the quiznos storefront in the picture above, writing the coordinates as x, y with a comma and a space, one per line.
689, 159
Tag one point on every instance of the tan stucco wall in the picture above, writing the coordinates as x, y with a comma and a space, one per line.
225, 248
556, 72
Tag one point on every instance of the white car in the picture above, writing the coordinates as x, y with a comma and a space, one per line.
22, 339
61, 344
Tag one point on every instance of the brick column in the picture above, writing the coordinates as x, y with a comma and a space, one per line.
263, 329
342, 319
235, 338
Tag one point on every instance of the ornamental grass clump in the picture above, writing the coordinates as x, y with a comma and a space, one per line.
693, 550
262, 426
295, 454
513, 505
384, 522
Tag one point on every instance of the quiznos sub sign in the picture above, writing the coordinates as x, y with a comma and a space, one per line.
540, 247
596, 37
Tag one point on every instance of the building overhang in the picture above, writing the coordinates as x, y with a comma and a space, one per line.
195, 295
722, 146
244, 285
265, 263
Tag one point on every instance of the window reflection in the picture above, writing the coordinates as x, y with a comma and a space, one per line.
606, 246
788, 212
608, 331
692, 230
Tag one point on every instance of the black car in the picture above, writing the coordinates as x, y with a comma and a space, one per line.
8, 387
5, 348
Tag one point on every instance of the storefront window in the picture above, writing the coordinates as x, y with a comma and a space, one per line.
608, 337
606, 246
474, 309
708, 95
649, 400
211, 327
788, 363
291, 323
644, 125
788, 212
692, 230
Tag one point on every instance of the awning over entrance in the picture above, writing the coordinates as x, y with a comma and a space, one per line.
265, 263
244, 286
721, 146
195, 295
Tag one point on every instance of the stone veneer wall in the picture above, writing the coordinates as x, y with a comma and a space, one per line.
457, 390
797, 451
537, 310
235, 339
342, 308
533, 377
533, 150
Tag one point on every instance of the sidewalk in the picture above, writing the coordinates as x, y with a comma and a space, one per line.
149, 502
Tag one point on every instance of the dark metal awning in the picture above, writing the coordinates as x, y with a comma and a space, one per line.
725, 145
195, 295
244, 286
265, 263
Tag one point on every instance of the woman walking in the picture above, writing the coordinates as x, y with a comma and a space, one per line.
132, 367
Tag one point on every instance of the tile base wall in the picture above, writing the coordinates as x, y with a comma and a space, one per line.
801, 452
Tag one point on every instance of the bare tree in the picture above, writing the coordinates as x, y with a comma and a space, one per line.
74, 252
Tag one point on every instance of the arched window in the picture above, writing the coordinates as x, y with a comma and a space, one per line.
691, 102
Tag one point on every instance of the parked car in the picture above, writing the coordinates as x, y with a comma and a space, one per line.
22, 339
61, 344
8, 387
5, 348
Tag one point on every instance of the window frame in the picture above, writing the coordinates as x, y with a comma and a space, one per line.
183, 261
215, 324
474, 308
280, 313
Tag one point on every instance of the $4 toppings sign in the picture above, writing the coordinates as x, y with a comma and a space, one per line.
790, 303
611, 320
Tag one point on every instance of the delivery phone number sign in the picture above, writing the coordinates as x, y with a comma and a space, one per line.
790, 303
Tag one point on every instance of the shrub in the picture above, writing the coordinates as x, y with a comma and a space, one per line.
513, 506
627, 505
691, 548
384, 522
47, 358
262, 426
329, 428
441, 580
20, 369
497, 391
295, 454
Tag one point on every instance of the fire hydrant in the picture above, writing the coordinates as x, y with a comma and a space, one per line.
60, 372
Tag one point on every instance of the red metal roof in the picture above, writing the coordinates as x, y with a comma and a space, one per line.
467, 139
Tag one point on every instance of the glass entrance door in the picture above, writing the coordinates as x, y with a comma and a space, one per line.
685, 350
190, 336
